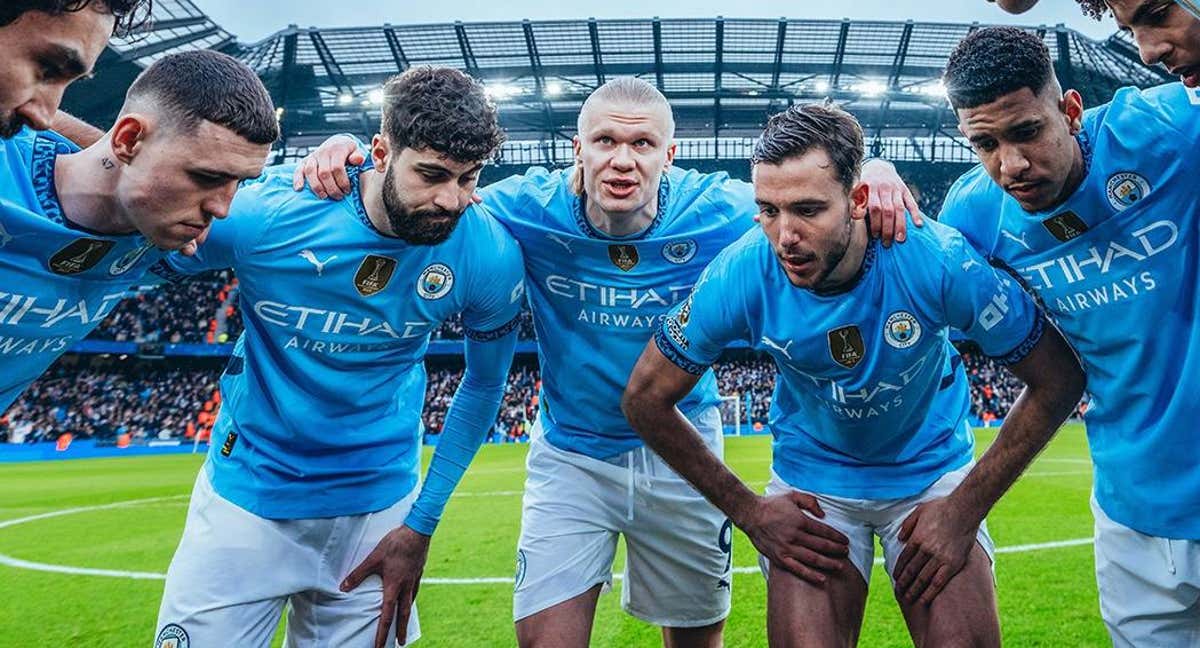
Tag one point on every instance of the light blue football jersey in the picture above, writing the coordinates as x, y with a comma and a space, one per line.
322, 398
58, 280
871, 401
597, 299
1116, 266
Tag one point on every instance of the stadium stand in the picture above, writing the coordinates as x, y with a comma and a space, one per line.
724, 76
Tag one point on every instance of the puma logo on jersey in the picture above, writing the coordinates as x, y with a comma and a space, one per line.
782, 349
566, 243
1020, 241
968, 264
308, 255
6, 238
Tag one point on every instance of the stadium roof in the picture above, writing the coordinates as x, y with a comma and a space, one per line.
723, 76
175, 26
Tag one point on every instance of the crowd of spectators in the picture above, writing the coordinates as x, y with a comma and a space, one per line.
106, 399
168, 313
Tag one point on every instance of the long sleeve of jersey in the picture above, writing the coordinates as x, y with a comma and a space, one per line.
472, 412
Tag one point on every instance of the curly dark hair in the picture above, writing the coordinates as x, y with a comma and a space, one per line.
994, 61
805, 127
130, 14
442, 109
1093, 8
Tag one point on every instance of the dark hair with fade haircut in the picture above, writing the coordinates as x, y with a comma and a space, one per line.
994, 61
203, 85
130, 14
442, 109
805, 127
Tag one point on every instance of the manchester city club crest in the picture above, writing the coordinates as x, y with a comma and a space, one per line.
373, 274
623, 256
172, 636
1065, 226
521, 566
435, 281
679, 252
1124, 189
129, 259
901, 330
79, 256
846, 346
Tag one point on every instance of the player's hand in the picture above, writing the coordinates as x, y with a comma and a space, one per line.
937, 541
399, 560
325, 168
887, 200
189, 248
783, 528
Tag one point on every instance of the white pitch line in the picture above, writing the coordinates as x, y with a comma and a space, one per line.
488, 580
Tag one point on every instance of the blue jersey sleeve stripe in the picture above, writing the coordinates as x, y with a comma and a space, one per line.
494, 334
1035, 335
673, 354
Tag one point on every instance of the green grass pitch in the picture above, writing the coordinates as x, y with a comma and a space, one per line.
1047, 595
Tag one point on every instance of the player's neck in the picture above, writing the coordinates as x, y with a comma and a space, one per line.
370, 186
86, 183
620, 223
847, 271
1074, 178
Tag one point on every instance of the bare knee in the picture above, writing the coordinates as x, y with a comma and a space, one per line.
709, 636
564, 625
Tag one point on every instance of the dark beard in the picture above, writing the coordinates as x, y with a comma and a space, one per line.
10, 125
821, 285
416, 227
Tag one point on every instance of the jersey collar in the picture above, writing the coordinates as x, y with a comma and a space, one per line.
45, 154
585, 225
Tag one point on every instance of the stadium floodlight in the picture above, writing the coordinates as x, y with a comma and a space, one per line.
375, 96
936, 89
870, 87
345, 99
502, 91
553, 89
821, 86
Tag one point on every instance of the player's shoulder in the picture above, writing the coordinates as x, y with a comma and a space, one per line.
1141, 115
536, 186
478, 226
715, 192
974, 205
971, 189
750, 255
933, 241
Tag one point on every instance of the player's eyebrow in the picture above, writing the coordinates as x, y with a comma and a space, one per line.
1141, 15
65, 61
